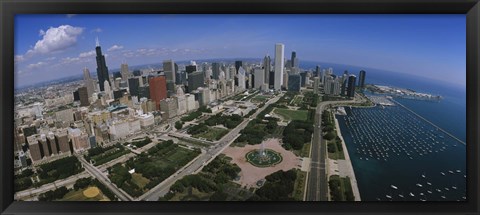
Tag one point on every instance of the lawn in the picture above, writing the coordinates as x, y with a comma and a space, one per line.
290, 115
259, 99
151, 167
299, 186
213, 133
297, 100
79, 196
109, 155
337, 152
304, 152
340, 188
139, 180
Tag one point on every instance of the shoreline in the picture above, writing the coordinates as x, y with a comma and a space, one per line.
350, 171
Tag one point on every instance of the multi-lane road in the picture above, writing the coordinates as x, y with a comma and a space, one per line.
317, 182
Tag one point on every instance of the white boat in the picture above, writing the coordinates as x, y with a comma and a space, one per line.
388, 196
419, 185
393, 186
411, 194
442, 173
429, 183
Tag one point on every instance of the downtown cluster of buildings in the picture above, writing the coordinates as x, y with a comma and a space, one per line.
114, 106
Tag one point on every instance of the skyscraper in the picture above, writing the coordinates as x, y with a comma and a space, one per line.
83, 94
238, 64
133, 85
317, 71
124, 71
361, 79
267, 68
191, 68
215, 70
294, 60
241, 78
158, 89
279, 63
294, 82
351, 86
195, 80
89, 82
102, 69
169, 69
259, 78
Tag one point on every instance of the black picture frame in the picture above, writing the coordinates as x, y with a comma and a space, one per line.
8, 8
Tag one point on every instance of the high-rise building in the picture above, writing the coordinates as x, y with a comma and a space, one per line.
191, 68
351, 86
169, 107
259, 78
294, 60
144, 92
195, 80
124, 71
133, 85
238, 64
169, 69
158, 89
304, 78
361, 79
102, 69
316, 85
294, 82
215, 70
34, 147
317, 71
83, 94
88, 82
267, 68
241, 78
279, 63
62, 139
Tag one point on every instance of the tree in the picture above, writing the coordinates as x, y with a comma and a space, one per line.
329, 136
178, 125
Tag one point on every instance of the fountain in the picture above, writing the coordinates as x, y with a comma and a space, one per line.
263, 157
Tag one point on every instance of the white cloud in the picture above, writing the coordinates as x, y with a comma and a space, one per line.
96, 30
19, 58
36, 65
41, 32
69, 60
57, 39
87, 54
115, 48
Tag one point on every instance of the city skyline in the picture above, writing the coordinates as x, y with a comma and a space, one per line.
425, 45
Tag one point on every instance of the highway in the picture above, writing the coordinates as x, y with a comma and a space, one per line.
317, 182
197, 164
104, 179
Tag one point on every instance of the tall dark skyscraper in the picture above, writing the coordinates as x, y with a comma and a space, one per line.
191, 68
361, 79
215, 70
238, 64
267, 68
83, 96
293, 60
317, 71
133, 85
352, 79
102, 69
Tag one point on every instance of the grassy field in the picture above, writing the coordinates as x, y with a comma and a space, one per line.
212, 134
304, 152
78, 196
337, 155
292, 114
109, 155
259, 99
139, 180
299, 186
344, 188
191, 194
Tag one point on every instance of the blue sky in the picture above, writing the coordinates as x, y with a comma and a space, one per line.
49, 47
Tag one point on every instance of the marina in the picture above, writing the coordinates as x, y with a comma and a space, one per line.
396, 152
